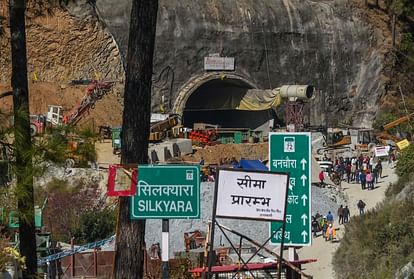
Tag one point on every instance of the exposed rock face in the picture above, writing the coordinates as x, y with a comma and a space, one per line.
275, 42
406, 272
62, 47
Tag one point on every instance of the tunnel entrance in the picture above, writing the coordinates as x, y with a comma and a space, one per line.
215, 101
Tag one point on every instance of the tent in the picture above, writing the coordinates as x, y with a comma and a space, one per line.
251, 165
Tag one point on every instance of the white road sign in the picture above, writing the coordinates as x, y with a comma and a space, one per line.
251, 195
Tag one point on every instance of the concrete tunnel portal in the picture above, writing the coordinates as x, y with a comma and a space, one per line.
213, 102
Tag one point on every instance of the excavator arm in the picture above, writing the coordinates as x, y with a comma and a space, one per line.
384, 137
397, 122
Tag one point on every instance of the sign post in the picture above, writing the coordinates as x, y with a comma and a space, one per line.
290, 152
165, 248
251, 195
167, 192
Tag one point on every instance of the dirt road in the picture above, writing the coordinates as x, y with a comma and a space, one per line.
323, 251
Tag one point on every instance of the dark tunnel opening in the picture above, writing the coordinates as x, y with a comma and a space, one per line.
214, 103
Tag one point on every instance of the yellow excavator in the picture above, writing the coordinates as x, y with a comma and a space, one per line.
334, 139
385, 137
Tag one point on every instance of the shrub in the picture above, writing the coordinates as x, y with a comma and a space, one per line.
405, 164
66, 204
95, 225
396, 187
382, 119
378, 244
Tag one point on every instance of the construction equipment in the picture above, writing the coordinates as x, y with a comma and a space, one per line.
366, 140
194, 239
37, 124
385, 137
78, 151
105, 132
158, 131
94, 92
203, 137
334, 138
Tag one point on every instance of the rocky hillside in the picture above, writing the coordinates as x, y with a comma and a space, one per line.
325, 43
335, 45
62, 48
108, 111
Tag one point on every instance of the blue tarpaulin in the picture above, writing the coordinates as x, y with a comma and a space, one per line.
251, 165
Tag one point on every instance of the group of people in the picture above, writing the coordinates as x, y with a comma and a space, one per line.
361, 170
343, 214
326, 223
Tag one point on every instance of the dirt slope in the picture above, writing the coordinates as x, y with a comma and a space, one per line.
108, 110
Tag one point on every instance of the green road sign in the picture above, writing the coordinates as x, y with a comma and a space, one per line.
14, 218
167, 192
290, 152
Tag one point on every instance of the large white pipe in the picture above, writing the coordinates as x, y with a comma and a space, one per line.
296, 91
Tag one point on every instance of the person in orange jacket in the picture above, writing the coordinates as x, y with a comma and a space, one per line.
330, 233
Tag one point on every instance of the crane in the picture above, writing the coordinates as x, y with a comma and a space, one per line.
94, 92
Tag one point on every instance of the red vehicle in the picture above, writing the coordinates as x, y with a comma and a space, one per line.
94, 92
37, 124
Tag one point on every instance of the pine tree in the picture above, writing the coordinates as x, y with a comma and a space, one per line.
22, 143
130, 244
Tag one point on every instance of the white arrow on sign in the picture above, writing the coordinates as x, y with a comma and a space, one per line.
304, 217
303, 162
304, 234
304, 178
304, 198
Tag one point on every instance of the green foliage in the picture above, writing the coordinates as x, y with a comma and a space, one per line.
4, 257
383, 119
378, 244
52, 147
96, 225
179, 269
402, 7
407, 43
405, 164
87, 152
67, 203
396, 187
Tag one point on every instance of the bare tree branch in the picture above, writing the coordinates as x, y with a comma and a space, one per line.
5, 94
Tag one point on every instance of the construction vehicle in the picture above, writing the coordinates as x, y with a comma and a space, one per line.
385, 137
366, 140
37, 124
334, 138
55, 117
158, 131
94, 92
72, 156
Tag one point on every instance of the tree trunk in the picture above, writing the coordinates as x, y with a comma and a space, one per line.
22, 142
130, 244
